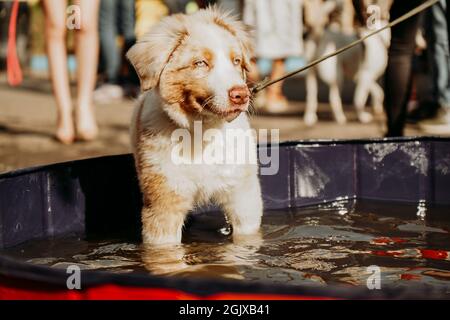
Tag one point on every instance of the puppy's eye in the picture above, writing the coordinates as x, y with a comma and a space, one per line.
237, 61
201, 64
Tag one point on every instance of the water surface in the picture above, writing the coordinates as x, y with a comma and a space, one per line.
332, 243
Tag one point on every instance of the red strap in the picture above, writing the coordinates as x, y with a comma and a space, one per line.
14, 72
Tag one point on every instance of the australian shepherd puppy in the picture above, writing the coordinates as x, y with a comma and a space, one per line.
193, 71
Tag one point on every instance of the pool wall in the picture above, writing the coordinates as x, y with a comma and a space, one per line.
75, 196
79, 196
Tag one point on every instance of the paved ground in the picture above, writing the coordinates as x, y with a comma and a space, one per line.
27, 118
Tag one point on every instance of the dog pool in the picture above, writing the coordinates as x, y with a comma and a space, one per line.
343, 219
338, 243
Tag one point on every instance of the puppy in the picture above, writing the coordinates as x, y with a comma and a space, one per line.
193, 71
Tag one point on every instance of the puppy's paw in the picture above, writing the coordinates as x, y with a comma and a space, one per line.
161, 239
247, 229
252, 239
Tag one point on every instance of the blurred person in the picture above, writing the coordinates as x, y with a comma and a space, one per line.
117, 17
398, 78
22, 33
148, 12
347, 16
279, 28
447, 14
85, 126
438, 50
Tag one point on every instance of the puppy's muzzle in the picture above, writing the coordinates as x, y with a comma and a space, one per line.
239, 95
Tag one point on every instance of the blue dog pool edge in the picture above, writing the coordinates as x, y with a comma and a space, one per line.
75, 197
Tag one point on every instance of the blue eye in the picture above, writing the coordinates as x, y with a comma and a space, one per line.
201, 64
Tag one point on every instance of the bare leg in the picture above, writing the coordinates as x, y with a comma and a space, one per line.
277, 71
253, 74
274, 92
87, 60
55, 31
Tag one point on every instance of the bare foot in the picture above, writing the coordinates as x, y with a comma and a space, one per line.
65, 132
87, 128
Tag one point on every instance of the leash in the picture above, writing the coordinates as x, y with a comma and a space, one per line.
266, 82
14, 73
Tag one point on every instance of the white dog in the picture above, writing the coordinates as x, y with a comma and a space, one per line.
364, 64
193, 71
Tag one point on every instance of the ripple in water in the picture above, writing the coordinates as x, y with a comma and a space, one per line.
332, 243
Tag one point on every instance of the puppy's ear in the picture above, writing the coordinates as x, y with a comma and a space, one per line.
151, 53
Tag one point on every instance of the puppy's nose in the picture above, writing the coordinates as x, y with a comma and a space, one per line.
239, 94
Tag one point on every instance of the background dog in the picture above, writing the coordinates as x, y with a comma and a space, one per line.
364, 64
193, 70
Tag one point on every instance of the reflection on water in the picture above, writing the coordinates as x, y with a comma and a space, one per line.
332, 243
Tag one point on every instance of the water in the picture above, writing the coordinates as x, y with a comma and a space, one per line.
330, 244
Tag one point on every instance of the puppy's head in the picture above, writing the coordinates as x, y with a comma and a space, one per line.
198, 63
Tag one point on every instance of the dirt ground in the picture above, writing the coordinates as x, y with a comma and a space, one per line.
27, 115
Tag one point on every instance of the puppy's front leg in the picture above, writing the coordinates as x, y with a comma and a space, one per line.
162, 224
243, 207
163, 212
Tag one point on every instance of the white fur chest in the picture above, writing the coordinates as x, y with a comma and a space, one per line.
204, 163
